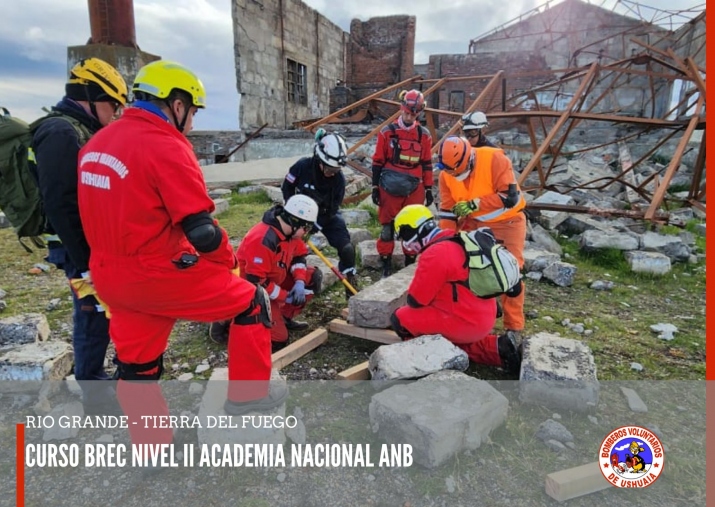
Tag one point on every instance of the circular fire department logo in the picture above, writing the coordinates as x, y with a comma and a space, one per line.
631, 457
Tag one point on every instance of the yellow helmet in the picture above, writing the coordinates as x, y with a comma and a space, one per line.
91, 73
413, 224
159, 78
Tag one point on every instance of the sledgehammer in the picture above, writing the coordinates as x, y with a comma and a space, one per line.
335, 270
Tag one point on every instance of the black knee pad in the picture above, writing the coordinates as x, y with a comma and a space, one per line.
347, 255
135, 371
316, 282
397, 327
388, 232
259, 311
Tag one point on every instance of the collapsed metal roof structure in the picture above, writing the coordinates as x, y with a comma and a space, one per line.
551, 126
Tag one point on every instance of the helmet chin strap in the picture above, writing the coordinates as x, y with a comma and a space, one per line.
179, 125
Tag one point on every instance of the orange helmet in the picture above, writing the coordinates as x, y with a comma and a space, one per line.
456, 156
412, 101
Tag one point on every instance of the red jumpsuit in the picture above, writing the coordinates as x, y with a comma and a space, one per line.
407, 152
137, 181
267, 257
447, 306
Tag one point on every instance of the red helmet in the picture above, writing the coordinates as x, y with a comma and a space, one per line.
412, 101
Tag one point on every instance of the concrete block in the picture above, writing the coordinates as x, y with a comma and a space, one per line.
220, 193
222, 206
648, 262
416, 358
369, 258
4, 222
545, 240
538, 260
654, 242
551, 219
355, 216
558, 373
373, 305
358, 236
211, 409
36, 362
578, 223
329, 278
440, 415
595, 239
561, 273
22, 329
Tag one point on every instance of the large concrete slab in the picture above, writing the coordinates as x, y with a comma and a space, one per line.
648, 262
211, 414
254, 170
36, 362
373, 305
558, 373
416, 358
440, 415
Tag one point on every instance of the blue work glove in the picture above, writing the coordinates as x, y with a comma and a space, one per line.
429, 198
296, 296
465, 208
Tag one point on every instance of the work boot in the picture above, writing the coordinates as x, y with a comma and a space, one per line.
386, 265
295, 325
352, 280
509, 353
276, 397
410, 259
218, 331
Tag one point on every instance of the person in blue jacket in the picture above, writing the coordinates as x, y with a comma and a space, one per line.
320, 178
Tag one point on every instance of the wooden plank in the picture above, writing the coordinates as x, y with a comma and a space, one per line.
575, 482
299, 348
376, 335
357, 372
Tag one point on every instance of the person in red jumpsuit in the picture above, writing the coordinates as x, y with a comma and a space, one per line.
401, 172
157, 255
438, 298
273, 255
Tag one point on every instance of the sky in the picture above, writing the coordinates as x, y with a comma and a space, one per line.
34, 35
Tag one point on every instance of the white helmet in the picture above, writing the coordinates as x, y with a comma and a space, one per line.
331, 149
475, 120
302, 207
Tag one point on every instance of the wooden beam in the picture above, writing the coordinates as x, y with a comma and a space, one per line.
299, 348
660, 190
360, 103
357, 372
344, 313
559, 123
575, 482
376, 335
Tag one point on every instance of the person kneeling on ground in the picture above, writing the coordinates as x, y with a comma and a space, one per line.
438, 299
272, 255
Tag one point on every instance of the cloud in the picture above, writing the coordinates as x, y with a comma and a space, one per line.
34, 35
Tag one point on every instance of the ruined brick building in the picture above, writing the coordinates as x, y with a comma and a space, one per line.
293, 63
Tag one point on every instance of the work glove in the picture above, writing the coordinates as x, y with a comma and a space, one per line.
376, 196
464, 208
429, 198
296, 296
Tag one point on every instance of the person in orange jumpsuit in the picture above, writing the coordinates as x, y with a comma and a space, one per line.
439, 300
401, 172
477, 188
158, 256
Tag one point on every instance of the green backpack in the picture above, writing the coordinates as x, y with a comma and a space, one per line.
20, 198
493, 270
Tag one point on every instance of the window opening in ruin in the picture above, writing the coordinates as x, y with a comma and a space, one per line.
456, 101
296, 83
